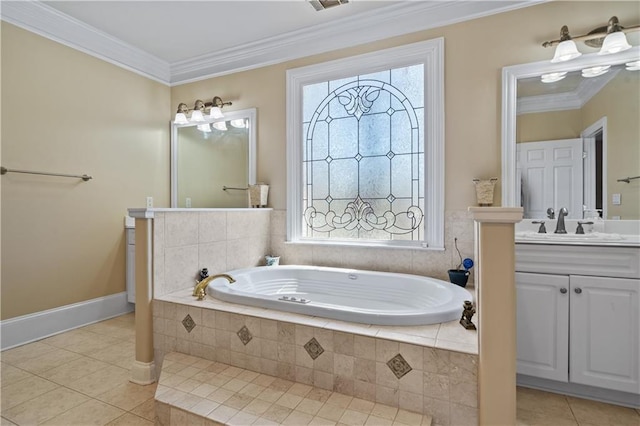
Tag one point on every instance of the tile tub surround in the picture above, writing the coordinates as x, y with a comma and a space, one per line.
193, 391
184, 242
430, 263
427, 369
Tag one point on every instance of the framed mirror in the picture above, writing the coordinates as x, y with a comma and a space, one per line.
212, 163
573, 142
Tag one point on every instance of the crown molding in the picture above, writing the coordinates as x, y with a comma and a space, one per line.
395, 20
575, 99
41, 19
379, 24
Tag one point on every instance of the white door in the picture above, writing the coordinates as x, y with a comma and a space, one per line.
543, 325
605, 332
551, 176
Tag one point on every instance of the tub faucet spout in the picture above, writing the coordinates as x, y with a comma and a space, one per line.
200, 289
560, 229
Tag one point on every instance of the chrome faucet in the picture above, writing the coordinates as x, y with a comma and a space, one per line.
200, 289
550, 213
560, 229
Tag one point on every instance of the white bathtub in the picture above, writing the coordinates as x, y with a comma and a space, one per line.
345, 294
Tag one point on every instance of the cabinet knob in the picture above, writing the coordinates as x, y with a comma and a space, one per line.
578, 290
563, 290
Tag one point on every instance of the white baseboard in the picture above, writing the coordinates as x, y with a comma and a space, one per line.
28, 328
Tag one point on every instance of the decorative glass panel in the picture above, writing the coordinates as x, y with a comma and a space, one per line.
363, 156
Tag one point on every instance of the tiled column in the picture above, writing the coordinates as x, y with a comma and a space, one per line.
143, 368
496, 303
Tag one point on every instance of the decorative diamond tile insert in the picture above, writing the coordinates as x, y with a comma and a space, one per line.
399, 366
313, 348
188, 323
245, 335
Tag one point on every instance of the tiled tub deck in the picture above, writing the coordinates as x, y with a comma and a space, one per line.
424, 369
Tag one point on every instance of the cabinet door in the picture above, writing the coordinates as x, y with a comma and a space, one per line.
605, 332
542, 313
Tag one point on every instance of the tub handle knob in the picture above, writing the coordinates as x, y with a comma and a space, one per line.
578, 290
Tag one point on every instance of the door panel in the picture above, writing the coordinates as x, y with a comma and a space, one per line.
605, 332
542, 325
552, 176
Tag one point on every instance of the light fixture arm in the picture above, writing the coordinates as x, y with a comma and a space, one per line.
217, 102
612, 26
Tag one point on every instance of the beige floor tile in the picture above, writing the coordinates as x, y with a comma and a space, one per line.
114, 354
7, 422
71, 337
45, 406
146, 410
24, 390
47, 361
543, 408
11, 374
93, 344
378, 421
73, 370
92, 412
21, 353
598, 413
128, 395
128, 419
100, 381
542, 417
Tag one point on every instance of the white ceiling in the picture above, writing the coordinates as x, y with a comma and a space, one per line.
175, 42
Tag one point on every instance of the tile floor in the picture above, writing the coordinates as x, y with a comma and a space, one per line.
81, 378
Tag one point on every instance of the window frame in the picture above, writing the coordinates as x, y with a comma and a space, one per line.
430, 53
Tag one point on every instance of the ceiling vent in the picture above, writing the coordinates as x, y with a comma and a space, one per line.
326, 4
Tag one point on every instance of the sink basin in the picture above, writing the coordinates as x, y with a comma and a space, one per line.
591, 237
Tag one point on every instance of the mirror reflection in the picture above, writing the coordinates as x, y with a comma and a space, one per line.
214, 162
574, 141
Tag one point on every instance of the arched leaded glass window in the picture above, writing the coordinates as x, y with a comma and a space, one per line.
365, 149
363, 156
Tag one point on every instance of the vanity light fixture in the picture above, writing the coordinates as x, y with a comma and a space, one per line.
206, 128
633, 66
214, 108
239, 123
595, 71
610, 38
552, 77
219, 125
567, 48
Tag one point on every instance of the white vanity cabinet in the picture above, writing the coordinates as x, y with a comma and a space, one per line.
579, 333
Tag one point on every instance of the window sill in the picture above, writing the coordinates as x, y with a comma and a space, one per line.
368, 244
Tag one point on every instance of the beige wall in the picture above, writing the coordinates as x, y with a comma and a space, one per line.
475, 52
546, 126
64, 111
